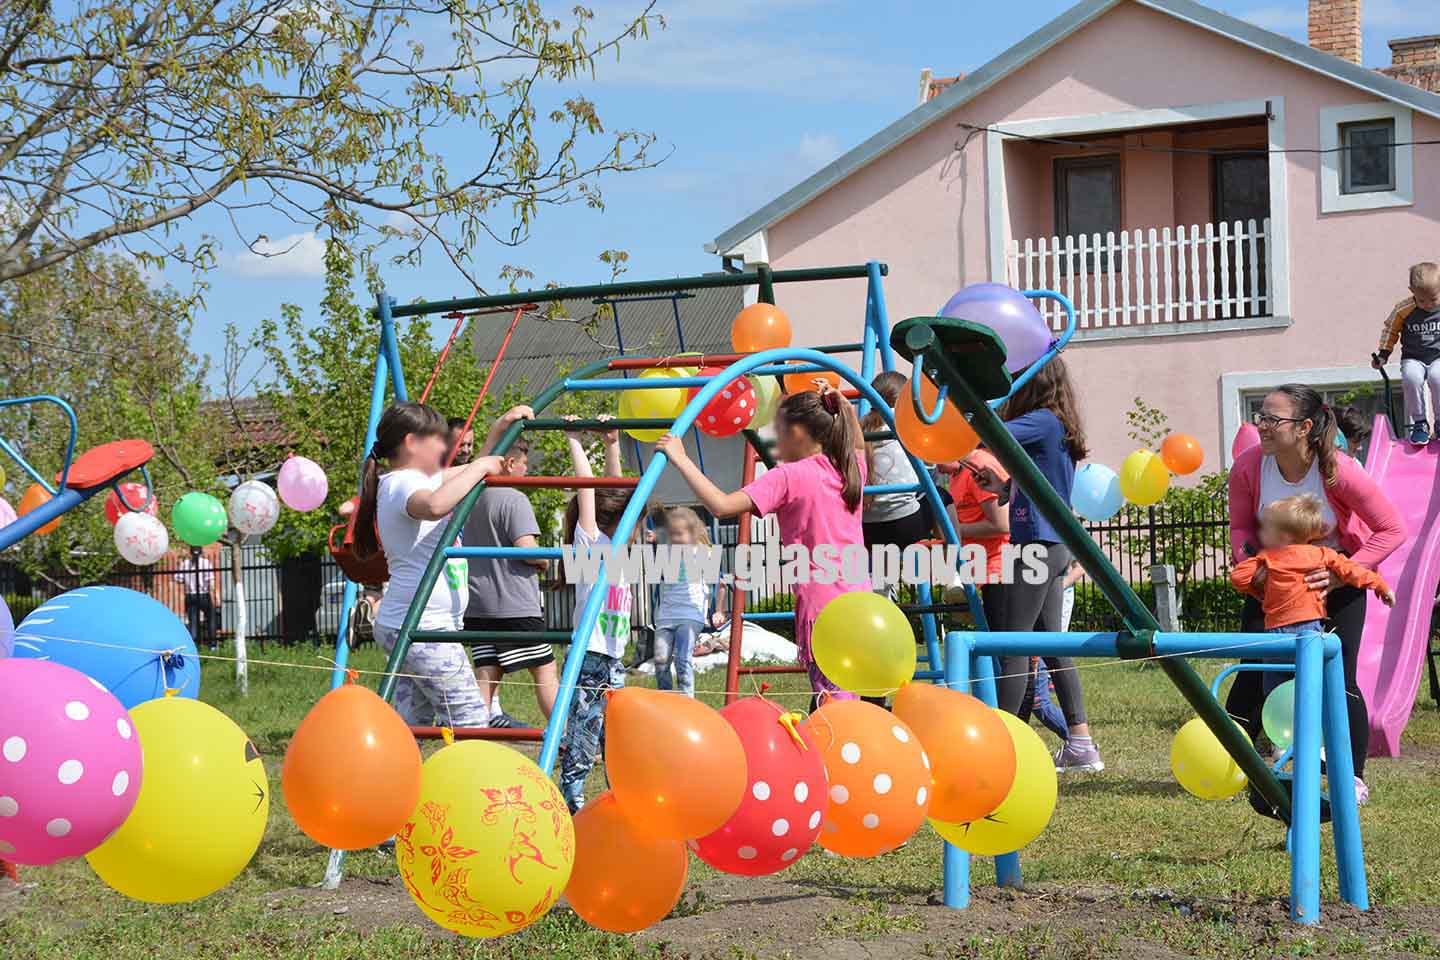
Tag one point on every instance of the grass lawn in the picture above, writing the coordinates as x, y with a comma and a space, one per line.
1129, 867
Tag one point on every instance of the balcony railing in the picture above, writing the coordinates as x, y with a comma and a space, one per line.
1212, 271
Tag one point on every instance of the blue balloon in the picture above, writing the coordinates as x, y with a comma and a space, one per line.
7, 630
1096, 494
128, 642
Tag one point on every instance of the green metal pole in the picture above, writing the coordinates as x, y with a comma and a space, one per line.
921, 340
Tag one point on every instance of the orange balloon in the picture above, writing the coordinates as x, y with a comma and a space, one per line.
35, 496
970, 749
352, 772
625, 878
879, 778
675, 765
805, 382
949, 438
760, 326
1182, 453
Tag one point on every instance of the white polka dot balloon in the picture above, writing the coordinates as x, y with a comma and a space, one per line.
731, 410
70, 763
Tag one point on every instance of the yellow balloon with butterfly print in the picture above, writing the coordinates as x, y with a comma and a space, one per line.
489, 848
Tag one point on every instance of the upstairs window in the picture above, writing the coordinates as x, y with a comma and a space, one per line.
1367, 164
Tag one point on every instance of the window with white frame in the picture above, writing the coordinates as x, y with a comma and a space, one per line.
1368, 159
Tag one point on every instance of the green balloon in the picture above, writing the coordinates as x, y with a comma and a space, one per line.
1278, 715
199, 519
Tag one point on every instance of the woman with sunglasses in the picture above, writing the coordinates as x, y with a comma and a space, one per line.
1297, 455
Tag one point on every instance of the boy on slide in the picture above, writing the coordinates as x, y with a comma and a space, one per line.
1415, 324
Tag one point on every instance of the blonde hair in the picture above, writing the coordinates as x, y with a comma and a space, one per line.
1300, 516
691, 520
1425, 278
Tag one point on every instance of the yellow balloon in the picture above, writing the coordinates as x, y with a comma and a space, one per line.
655, 404
489, 848
1144, 478
1026, 809
864, 643
767, 398
1201, 764
202, 807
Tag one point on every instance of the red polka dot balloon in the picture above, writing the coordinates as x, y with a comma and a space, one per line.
732, 409
785, 796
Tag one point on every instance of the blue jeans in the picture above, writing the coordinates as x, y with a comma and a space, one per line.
676, 642
584, 737
1046, 710
1270, 679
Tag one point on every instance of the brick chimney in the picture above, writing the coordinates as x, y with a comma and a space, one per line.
1416, 60
1335, 28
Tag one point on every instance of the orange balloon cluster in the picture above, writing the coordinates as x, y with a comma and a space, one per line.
625, 878
971, 752
37, 496
949, 438
760, 326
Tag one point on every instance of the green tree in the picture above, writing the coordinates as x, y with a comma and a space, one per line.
125, 118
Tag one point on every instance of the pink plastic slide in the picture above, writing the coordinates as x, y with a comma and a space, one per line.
1392, 653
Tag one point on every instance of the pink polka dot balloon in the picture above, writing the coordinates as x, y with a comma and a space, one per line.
70, 763
785, 797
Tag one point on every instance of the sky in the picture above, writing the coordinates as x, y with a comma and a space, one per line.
747, 98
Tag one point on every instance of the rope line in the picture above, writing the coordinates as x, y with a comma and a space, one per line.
489, 376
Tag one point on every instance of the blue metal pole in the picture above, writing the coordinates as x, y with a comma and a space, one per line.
625, 374
1007, 865
956, 862
390, 347
19, 458
875, 294
1344, 814
1305, 802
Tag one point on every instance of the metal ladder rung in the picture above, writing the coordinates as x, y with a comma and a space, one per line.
501, 636
523, 734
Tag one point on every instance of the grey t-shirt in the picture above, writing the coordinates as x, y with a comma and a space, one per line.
502, 588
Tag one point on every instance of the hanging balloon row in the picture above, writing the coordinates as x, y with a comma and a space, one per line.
1098, 492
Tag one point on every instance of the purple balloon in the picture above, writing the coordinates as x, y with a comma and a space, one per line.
1010, 314
302, 484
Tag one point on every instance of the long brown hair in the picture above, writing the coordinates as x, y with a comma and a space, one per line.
397, 422
888, 385
1050, 389
832, 430
610, 504
1320, 441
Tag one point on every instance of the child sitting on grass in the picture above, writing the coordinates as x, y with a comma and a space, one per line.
1415, 324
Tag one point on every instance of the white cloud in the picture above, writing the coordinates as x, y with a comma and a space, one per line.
296, 255
815, 150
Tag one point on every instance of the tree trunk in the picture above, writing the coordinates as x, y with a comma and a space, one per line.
237, 573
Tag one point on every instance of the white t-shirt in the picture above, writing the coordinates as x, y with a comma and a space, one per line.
1274, 486
891, 466
409, 544
682, 601
612, 628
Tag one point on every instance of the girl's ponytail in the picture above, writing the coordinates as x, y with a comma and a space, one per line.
825, 419
397, 422
367, 542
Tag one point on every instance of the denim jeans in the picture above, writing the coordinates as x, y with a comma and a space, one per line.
675, 642
1046, 711
584, 737
1270, 679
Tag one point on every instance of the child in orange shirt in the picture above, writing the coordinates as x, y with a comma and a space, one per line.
1288, 529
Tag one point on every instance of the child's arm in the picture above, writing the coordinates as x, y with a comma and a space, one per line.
611, 440
520, 412
996, 522
717, 501
1390, 332
1357, 576
1247, 577
580, 464
436, 504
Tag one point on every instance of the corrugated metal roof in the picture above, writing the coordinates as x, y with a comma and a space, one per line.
585, 332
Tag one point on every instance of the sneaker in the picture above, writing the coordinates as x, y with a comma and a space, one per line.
503, 721
387, 846
1073, 759
1419, 433
1362, 793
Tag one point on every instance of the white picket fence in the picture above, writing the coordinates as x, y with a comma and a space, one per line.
1167, 275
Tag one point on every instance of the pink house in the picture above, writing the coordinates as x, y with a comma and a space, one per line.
1227, 208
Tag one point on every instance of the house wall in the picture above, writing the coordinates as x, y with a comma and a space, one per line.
922, 209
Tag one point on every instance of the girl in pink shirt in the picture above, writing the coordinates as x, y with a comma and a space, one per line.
815, 494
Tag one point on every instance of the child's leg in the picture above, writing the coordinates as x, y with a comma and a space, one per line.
1413, 375
585, 731
685, 635
1045, 708
665, 640
448, 684
824, 688
1432, 379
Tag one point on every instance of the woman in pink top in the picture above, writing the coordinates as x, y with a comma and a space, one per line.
1297, 455
815, 494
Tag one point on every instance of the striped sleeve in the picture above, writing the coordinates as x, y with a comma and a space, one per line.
1390, 333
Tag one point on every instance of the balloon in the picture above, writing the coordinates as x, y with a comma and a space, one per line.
785, 799
1026, 809
879, 778
767, 398
3, 477
1201, 764
1095, 494
661, 403
1181, 453
1245, 438
949, 438
7, 630
138, 498
201, 811
7, 513
131, 643
36, 495
972, 755
254, 508
141, 539
490, 846
1278, 715
864, 643
674, 764
732, 409
71, 763
805, 382
1010, 314
1340, 442
199, 519
1143, 478
625, 878
760, 326
302, 484
352, 771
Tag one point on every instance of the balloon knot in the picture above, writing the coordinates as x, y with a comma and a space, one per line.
790, 721
172, 691
352, 676
173, 659
763, 688
448, 736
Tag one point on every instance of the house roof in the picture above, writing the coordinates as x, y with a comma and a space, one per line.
541, 347
1037, 43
